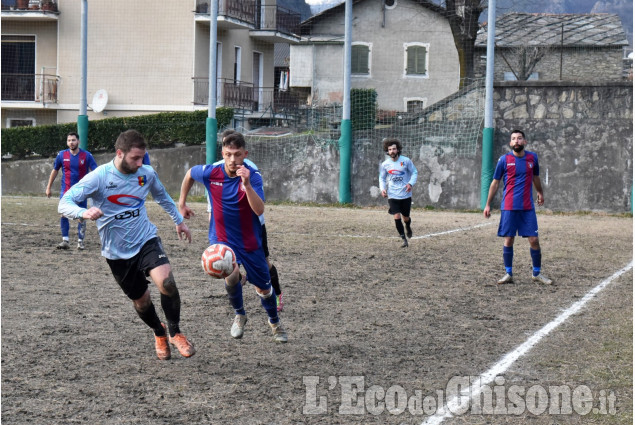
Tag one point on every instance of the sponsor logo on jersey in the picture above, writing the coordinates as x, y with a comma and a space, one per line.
111, 185
142, 180
216, 183
126, 200
396, 172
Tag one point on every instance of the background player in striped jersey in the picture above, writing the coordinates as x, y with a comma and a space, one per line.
75, 164
129, 240
519, 169
236, 193
401, 174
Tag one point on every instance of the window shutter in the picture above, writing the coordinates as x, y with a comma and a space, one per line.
416, 60
359, 59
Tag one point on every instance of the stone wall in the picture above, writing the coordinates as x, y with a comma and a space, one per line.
583, 135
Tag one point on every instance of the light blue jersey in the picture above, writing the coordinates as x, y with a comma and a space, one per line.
124, 228
399, 173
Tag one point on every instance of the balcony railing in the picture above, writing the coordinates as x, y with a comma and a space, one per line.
241, 10
25, 5
266, 18
30, 87
242, 95
278, 18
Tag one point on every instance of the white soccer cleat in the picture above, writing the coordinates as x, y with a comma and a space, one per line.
279, 334
541, 278
238, 327
506, 279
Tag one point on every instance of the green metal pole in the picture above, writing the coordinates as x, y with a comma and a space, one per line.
487, 164
82, 130
345, 162
211, 138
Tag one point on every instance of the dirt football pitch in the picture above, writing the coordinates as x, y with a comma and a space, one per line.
377, 334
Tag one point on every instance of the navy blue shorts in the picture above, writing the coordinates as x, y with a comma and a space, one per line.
256, 267
522, 222
131, 273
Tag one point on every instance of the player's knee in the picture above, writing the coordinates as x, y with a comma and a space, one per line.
169, 285
143, 303
265, 293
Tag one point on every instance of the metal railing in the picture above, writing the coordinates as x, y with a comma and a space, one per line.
267, 18
23, 5
278, 18
243, 95
30, 87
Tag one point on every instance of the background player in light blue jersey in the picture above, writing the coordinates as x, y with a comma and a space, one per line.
518, 169
129, 240
236, 193
75, 163
397, 176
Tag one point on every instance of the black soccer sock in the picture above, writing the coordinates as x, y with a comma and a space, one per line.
407, 223
172, 308
399, 226
150, 318
275, 281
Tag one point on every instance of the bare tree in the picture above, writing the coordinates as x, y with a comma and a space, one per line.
522, 59
463, 18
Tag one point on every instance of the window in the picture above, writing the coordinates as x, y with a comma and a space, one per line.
18, 67
360, 58
390, 4
414, 106
21, 122
416, 60
237, 63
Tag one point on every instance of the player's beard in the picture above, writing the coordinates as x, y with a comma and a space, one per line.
394, 155
518, 148
126, 168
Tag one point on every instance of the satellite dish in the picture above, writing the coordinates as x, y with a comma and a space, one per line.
100, 99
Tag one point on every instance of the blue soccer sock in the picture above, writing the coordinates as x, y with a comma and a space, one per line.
65, 225
536, 259
81, 230
508, 258
268, 301
235, 295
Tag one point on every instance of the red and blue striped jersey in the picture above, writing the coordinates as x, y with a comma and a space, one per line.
518, 175
233, 222
74, 167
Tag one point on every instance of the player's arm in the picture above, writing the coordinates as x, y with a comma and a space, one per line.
493, 188
52, 178
79, 192
162, 197
255, 201
538, 185
413, 176
382, 181
186, 186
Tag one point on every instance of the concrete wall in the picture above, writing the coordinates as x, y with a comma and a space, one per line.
583, 135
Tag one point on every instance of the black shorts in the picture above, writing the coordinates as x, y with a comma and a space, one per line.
400, 206
265, 245
131, 274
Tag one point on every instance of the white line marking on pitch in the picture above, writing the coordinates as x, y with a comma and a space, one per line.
429, 235
512, 356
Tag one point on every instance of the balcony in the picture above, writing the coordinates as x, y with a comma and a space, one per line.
232, 14
37, 88
246, 96
30, 10
277, 25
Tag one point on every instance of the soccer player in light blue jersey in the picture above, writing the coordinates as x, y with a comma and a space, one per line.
75, 163
397, 176
237, 198
518, 169
129, 240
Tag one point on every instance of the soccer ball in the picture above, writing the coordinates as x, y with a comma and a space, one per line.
218, 260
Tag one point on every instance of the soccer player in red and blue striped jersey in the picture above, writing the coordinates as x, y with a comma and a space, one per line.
237, 199
519, 171
75, 163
